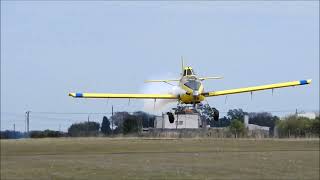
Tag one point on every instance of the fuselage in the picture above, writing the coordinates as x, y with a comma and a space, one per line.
193, 87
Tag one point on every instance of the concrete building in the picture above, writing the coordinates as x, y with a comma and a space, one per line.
256, 130
181, 121
253, 126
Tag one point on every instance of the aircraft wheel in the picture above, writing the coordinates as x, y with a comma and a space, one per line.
171, 117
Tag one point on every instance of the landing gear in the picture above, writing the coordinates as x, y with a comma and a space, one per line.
170, 117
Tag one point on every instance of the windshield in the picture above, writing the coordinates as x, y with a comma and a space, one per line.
193, 84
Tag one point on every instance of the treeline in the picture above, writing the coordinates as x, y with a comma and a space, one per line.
33, 134
11, 134
84, 129
124, 123
234, 121
261, 118
295, 126
46, 133
291, 126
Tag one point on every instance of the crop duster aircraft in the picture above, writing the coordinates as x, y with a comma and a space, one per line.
193, 87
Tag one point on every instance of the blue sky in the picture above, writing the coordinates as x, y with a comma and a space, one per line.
51, 48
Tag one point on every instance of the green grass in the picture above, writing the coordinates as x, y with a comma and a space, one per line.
132, 158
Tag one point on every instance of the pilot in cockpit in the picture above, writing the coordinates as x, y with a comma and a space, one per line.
188, 71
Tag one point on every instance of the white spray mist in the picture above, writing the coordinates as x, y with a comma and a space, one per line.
160, 105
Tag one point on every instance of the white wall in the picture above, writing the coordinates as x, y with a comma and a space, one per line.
184, 121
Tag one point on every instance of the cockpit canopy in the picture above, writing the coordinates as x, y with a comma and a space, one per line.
193, 84
188, 71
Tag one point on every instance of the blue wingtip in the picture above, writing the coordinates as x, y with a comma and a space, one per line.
79, 95
303, 82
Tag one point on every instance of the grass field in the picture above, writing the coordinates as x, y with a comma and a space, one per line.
131, 158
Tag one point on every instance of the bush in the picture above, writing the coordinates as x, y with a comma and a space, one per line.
11, 134
236, 114
105, 126
237, 128
46, 133
295, 126
131, 124
84, 129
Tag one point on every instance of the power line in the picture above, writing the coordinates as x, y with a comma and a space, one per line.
110, 113
80, 113
51, 118
85, 113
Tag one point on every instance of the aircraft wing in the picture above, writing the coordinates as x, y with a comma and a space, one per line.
165, 81
214, 77
257, 88
128, 96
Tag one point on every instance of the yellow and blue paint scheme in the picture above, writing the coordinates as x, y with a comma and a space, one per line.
258, 88
193, 87
128, 96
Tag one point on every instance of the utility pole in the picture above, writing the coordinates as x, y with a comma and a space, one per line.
25, 123
88, 125
112, 119
141, 125
148, 121
28, 118
14, 131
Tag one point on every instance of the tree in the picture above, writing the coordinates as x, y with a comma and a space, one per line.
84, 129
127, 123
7, 134
224, 122
46, 133
119, 117
131, 124
315, 126
210, 115
237, 127
236, 114
147, 119
105, 126
295, 126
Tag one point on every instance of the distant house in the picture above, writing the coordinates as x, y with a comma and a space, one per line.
310, 115
256, 130
253, 126
178, 121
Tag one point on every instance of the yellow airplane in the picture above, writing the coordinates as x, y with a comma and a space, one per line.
193, 87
